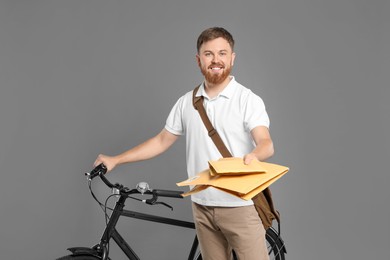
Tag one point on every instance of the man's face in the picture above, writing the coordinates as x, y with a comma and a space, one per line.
215, 60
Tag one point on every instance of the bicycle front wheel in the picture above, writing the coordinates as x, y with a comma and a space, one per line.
79, 257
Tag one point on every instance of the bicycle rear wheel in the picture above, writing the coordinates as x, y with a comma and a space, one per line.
198, 256
275, 245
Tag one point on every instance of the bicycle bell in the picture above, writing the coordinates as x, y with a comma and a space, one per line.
142, 187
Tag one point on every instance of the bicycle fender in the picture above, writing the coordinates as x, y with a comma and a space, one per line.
84, 251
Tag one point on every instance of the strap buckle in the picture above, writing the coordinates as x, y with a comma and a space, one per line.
212, 132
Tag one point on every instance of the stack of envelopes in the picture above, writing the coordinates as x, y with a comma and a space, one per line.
233, 176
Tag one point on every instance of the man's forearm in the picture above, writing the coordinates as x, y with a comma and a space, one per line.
148, 149
264, 150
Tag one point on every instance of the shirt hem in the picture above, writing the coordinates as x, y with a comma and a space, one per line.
222, 203
172, 131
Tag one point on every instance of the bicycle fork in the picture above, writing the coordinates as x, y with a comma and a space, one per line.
111, 232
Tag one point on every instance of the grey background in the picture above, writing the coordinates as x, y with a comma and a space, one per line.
78, 78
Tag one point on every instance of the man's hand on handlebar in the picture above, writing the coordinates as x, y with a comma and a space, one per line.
109, 161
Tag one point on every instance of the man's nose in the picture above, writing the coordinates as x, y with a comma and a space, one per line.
215, 59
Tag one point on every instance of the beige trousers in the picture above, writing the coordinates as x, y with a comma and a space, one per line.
221, 229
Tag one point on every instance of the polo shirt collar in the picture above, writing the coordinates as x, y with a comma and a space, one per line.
227, 92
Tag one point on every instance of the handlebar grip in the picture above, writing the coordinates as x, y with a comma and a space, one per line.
100, 169
169, 193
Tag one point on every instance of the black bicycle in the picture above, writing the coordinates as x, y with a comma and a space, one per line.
100, 251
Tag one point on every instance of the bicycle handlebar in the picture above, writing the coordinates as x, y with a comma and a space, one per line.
168, 193
101, 169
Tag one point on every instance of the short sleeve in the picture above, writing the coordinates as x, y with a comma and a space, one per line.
174, 122
255, 113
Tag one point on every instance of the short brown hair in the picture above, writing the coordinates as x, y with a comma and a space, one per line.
214, 33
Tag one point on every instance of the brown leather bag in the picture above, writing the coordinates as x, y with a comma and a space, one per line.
262, 201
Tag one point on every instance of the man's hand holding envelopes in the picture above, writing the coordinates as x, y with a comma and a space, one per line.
233, 176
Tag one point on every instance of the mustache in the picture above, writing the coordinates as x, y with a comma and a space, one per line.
215, 64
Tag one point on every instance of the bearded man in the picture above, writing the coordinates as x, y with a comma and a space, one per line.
223, 222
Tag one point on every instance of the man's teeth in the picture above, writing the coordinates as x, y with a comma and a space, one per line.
216, 68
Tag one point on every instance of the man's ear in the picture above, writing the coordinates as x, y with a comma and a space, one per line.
233, 58
198, 59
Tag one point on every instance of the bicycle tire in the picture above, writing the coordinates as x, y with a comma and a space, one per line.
198, 255
275, 245
79, 257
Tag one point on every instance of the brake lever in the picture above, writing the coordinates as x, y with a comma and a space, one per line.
165, 204
153, 201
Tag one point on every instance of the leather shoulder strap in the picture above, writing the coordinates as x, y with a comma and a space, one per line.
198, 105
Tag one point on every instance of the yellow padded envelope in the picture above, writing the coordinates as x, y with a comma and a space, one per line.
234, 166
243, 186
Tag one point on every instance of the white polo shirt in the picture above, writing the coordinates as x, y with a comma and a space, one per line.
233, 113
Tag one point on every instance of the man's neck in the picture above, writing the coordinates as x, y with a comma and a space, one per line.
212, 90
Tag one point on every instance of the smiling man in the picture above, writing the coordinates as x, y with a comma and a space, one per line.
223, 222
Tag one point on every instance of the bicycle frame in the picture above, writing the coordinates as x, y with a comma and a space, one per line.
110, 231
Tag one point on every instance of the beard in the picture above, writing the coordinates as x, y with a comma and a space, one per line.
214, 78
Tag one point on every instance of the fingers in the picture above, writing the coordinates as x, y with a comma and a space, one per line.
106, 160
98, 160
248, 158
